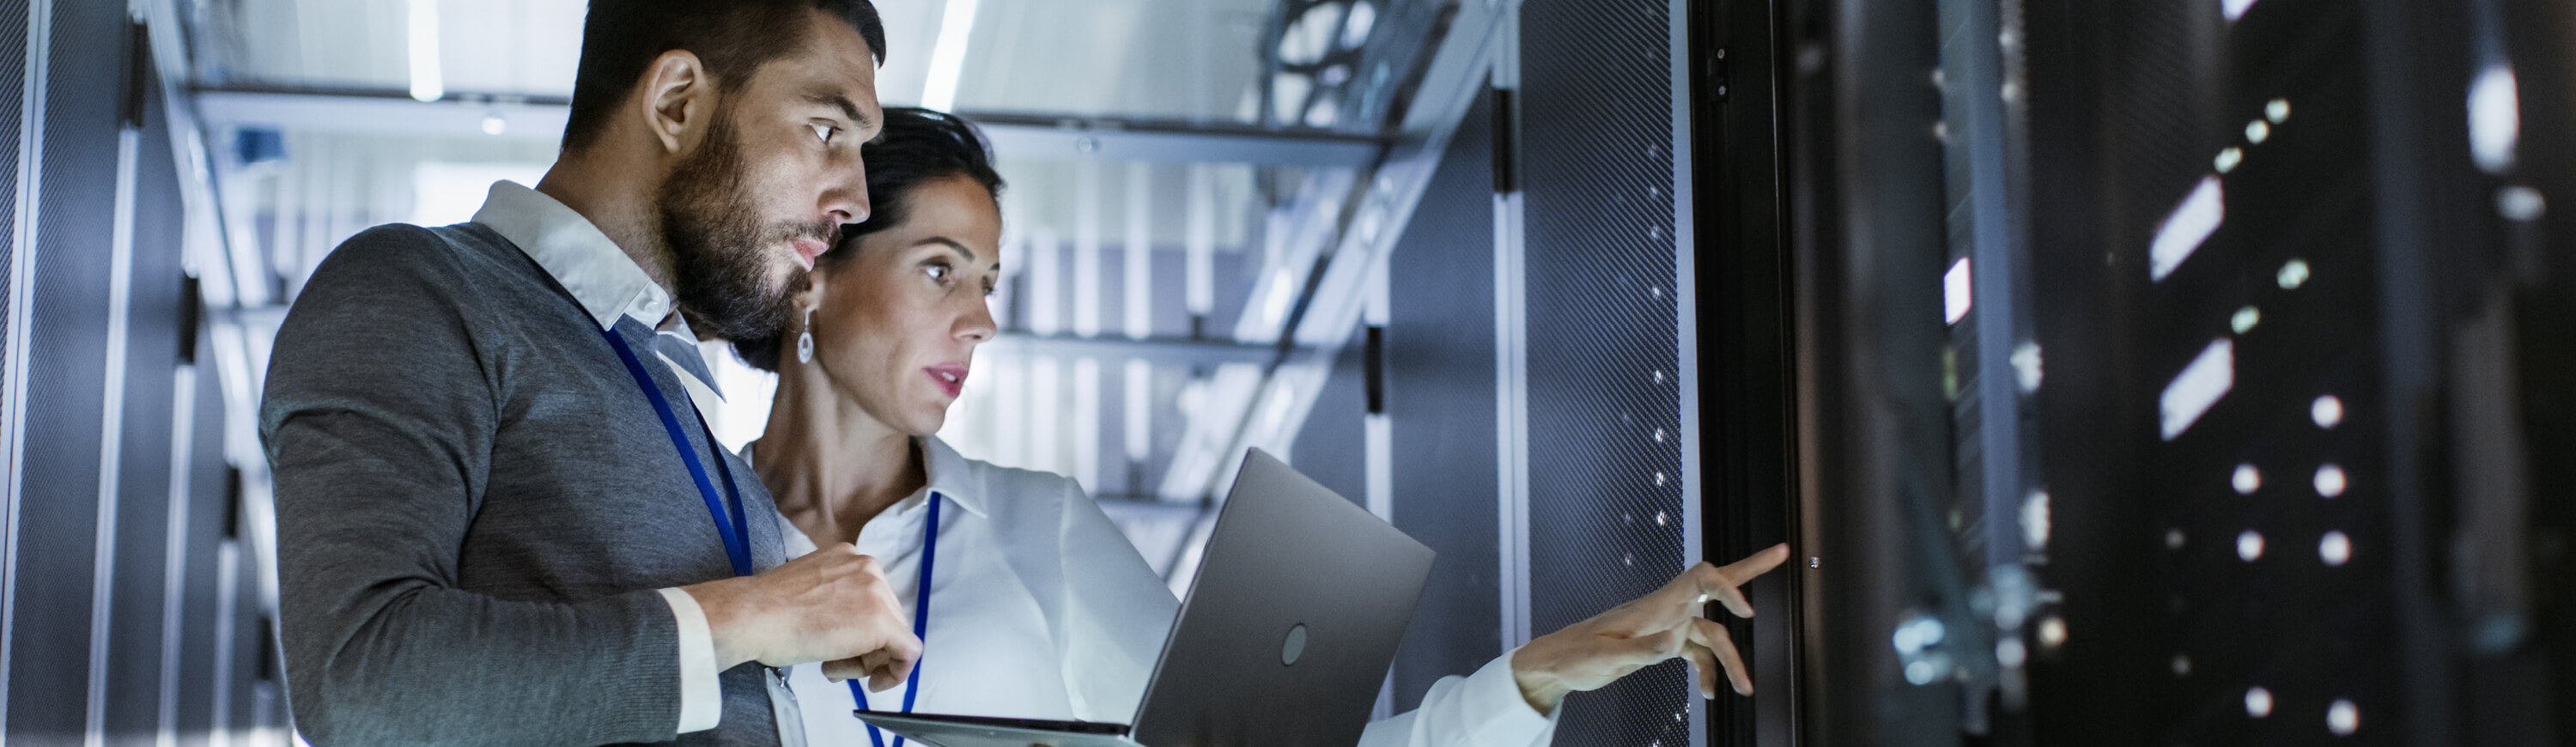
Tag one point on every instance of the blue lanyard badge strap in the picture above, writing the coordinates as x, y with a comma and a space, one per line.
736, 533
920, 627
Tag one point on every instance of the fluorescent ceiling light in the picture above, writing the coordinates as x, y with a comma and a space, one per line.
2183, 231
948, 55
427, 84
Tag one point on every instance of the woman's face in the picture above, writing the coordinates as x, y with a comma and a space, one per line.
896, 325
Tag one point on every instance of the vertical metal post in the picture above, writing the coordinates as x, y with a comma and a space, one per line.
2401, 209
174, 565
1686, 315
1087, 302
111, 442
1511, 363
1139, 288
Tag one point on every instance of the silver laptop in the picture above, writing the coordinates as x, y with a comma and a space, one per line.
1287, 632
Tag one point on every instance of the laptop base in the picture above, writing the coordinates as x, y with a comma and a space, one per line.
972, 731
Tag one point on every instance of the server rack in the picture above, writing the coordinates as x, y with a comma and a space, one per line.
2157, 373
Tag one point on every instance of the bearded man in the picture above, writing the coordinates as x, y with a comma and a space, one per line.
501, 517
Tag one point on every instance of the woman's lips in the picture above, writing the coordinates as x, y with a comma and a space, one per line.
950, 378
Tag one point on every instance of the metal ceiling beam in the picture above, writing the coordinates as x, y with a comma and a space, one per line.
542, 118
1180, 351
1333, 303
1164, 350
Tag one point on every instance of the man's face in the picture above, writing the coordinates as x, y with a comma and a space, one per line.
770, 183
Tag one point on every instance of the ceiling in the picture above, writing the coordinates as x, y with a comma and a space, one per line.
1229, 241
1184, 60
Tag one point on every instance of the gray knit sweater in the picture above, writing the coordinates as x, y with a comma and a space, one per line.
476, 505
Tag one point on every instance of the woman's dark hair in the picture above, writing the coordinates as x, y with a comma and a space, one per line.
917, 146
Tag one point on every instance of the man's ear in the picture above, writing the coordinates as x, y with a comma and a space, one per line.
679, 99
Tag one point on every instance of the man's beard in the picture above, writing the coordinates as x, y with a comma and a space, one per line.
720, 249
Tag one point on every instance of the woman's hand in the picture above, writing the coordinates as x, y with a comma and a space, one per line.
1644, 632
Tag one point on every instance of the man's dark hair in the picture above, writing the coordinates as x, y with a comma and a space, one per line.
918, 146
620, 39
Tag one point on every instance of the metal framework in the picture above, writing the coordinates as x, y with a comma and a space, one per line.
1012, 135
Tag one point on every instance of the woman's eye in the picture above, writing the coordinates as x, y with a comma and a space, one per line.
824, 131
937, 272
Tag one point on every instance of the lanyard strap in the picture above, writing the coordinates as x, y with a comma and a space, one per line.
736, 533
920, 626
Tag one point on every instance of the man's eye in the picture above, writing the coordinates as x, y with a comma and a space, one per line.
824, 131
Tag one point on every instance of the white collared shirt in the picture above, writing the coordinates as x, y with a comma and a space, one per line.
1041, 608
608, 284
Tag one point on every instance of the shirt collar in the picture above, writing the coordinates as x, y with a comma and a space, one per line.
605, 281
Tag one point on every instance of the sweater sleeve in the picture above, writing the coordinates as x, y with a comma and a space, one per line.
379, 419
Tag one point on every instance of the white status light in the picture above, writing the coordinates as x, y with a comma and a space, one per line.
2246, 480
2249, 545
2327, 411
2293, 274
2331, 481
2495, 119
2187, 228
2343, 718
2198, 387
2335, 549
1958, 292
2258, 702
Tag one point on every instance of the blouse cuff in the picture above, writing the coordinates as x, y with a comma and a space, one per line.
1493, 700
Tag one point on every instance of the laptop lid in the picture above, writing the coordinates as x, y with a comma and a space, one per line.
1284, 639
1291, 623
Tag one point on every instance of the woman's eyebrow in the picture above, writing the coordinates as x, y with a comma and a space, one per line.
952, 244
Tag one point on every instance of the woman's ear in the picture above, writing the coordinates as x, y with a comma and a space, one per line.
809, 297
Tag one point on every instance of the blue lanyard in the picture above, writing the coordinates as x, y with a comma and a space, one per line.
920, 626
736, 533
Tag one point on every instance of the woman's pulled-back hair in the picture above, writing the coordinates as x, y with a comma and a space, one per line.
916, 147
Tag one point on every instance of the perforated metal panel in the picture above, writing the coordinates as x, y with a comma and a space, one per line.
1440, 410
13, 88
66, 329
1605, 482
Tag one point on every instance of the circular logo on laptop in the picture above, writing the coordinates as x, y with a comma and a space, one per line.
1295, 647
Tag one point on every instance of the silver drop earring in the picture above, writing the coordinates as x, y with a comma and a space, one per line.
805, 340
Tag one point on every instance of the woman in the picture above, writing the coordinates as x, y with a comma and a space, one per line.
1036, 606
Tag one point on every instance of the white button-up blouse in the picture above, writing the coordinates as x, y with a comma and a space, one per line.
1040, 608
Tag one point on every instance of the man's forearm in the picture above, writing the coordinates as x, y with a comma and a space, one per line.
441, 665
